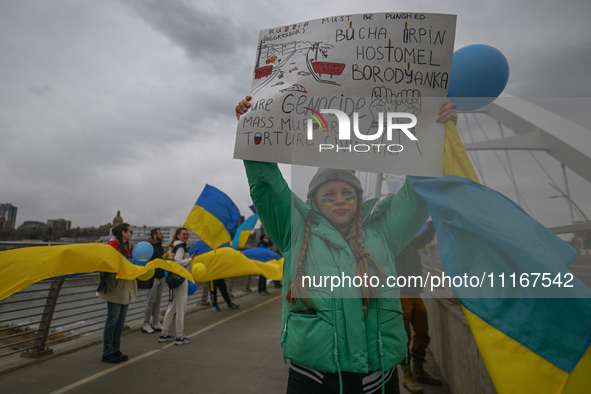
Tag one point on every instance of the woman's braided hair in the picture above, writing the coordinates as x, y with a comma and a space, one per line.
297, 291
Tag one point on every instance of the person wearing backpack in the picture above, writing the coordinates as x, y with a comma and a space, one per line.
178, 305
119, 294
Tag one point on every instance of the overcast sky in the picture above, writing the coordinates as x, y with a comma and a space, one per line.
129, 105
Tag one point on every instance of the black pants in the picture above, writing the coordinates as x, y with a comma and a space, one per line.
262, 283
214, 286
352, 384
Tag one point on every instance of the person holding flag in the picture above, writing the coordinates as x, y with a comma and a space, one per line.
347, 338
119, 294
178, 305
264, 241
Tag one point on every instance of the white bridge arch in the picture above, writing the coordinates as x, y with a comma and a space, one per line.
522, 126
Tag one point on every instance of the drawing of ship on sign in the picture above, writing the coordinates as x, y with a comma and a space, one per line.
294, 61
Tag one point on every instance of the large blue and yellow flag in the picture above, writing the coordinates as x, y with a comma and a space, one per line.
214, 217
531, 340
244, 231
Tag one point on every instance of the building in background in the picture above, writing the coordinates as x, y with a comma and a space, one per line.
59, 224
8, 213
117, 219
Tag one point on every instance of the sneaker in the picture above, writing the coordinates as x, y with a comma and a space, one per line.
123, 357
263, 294
165, 338
157, 327
182, 341
216, 308
233, 306
147, 328
266, 292
112, 358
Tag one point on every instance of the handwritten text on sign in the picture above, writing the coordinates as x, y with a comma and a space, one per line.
369, 67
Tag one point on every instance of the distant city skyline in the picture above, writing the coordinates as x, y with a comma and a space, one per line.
8, 213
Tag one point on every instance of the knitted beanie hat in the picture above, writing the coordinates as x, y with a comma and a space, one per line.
325, 175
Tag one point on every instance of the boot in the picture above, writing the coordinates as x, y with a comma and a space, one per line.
421, 375
409, 380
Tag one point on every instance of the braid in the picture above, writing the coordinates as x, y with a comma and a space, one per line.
363, 258
296, 289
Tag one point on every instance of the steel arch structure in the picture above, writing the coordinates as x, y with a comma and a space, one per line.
539, 129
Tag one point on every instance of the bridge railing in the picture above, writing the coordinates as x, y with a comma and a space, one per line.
56, 310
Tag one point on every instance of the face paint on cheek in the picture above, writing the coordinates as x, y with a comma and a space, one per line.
351, 200
327, 202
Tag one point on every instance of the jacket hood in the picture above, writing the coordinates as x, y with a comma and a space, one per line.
151, 240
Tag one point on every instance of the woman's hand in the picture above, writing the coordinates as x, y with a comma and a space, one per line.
446, 112
243, 106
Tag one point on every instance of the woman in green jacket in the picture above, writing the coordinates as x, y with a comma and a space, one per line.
341, 322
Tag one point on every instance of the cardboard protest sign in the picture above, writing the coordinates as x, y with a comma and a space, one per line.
337, 92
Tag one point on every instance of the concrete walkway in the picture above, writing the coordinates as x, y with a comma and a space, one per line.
235, 351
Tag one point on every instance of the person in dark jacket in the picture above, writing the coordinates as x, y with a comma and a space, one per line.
155, 292
264, 242
408, 264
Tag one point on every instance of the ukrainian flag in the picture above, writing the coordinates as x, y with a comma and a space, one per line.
244, 231
226, 262
214, 217
263, 255
529, 344
20, 268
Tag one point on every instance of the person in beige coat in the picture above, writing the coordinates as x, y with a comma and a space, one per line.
119, 294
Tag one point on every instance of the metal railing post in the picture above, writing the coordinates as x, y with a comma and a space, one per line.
204, 294
230, 287
39, 349
247, 284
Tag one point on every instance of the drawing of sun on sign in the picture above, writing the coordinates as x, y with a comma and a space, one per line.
294, 61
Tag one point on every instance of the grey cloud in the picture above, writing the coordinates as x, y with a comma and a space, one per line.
201, 33
561, 72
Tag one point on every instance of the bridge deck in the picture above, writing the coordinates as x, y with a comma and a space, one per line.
232, 351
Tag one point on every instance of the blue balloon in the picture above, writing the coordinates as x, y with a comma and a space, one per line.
479, 73
192, 287
142, 251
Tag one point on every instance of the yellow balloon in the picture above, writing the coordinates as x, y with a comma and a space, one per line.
198, 271
148, 275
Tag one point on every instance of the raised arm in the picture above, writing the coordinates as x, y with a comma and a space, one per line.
269, 192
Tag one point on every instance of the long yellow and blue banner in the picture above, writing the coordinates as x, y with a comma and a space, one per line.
226, 262
20, 268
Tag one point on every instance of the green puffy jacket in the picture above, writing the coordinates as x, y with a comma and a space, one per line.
340, 335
